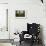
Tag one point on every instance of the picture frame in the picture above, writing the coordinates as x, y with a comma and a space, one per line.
20, 14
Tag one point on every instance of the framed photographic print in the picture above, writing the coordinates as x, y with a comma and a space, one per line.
20, 14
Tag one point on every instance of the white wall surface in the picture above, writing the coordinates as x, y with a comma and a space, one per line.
3, 1
35, 13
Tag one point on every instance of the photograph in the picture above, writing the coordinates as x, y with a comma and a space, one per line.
20, 13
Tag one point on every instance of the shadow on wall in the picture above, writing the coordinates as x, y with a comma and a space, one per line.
41, 34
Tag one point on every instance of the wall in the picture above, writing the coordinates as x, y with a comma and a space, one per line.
3, 1
35, 12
